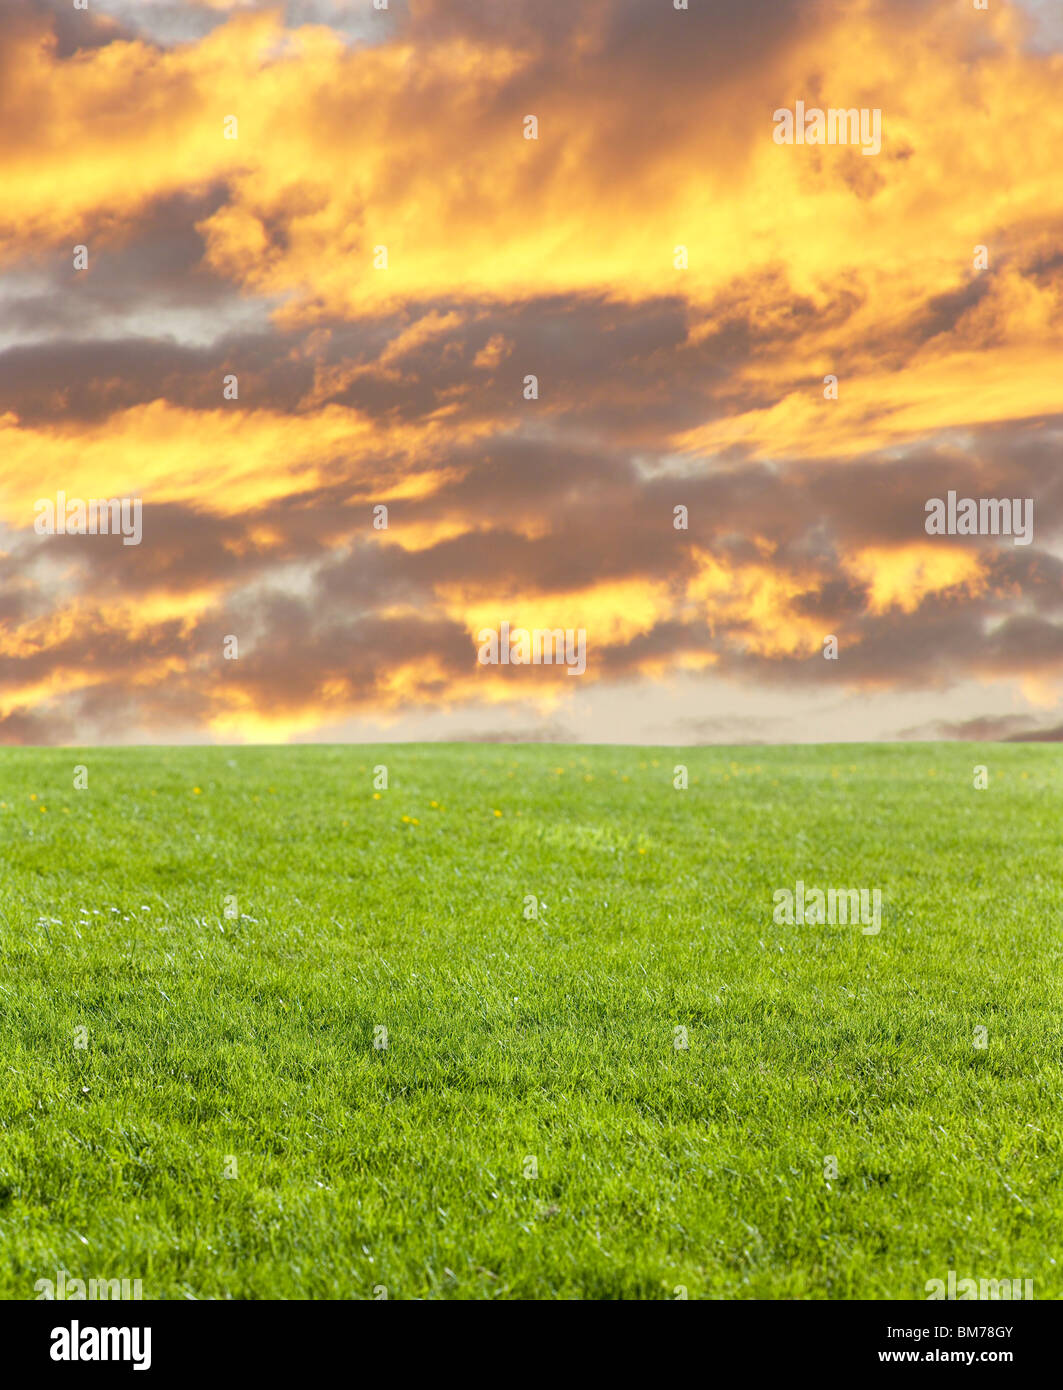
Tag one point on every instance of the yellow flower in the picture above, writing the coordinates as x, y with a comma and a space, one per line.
33, 796
196, 791
498, 813
434, 803
376, 796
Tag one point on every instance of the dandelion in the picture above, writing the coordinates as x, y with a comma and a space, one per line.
376, 796
498, 813
196, 791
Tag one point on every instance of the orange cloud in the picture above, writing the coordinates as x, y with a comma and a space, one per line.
381, 201
901, 577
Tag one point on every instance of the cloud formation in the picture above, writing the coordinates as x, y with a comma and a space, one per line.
382, 262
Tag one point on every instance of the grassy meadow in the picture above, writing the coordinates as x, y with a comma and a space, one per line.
224, 1125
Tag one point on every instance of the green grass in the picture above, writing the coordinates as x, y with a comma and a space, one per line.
508, 1037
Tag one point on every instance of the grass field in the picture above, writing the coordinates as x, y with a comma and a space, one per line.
211, 1038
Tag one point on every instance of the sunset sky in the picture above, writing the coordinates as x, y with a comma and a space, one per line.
660, 385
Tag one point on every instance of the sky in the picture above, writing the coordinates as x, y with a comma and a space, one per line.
793, 348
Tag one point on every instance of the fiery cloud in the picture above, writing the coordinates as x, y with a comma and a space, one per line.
649, 374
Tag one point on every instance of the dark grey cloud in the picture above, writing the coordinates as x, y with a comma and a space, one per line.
995, 728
